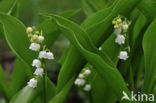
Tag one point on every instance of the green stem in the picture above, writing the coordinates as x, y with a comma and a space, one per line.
44, 83
90, 97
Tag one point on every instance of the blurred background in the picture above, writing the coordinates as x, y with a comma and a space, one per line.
30, 16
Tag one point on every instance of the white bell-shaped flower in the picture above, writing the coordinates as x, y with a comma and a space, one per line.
118, 31
32, 83
36, 63
43, 54
50, 55
87, 71
34, 47
79, 82
124, 27
123, 55
40, 39
87, 87
39, 71
81, 75
120, 39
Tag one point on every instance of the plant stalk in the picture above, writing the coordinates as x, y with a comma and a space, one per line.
44, 83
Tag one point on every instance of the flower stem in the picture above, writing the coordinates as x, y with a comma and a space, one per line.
90, 97
44, 83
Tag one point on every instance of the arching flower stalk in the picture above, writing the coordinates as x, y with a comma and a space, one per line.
121, 25
36, 38
81, 80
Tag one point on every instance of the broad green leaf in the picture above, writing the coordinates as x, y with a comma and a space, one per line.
86, 8
148, 8
149, 53
19, 77
6, 5
4, 88
140, 24
100, 90
28, 94
98, 27
104, 69
61, 96
51, 31
15, 31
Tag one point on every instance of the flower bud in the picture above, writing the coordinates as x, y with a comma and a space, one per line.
116, 26
29, 30
35, 37
29, 35
119, 20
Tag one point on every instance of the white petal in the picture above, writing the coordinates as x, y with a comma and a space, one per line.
79, 82
123, 55
39, 71
42, 54
36, 63
81, 76
120, 39
50, 55
87, 87
40, 39
87, 72
32, 83
118, 31
34, 47
125, 27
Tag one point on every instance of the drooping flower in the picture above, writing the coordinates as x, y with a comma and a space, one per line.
87, 87
40, 39
100, 48
39, 71
32, 83
34, 47
42, 55
125, 27
50, 55
120, 39
118, 31
36, 63
123, 55
87, 72
79, 82
81, 75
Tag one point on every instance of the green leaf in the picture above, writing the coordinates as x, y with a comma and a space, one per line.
98, 26
19, 77
104, 69
4, 88
14, 31
6, 5
28, 94
50, 30
148, 8
86, 8
140, 24
61, 96
149, 53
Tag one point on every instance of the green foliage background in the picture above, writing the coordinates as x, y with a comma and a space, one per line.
75, 36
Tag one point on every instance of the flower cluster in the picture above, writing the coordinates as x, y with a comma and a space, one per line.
121, 26
81, 80
36, 39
